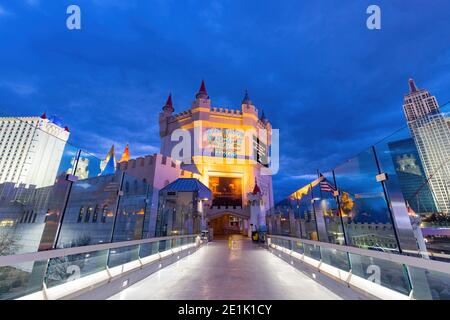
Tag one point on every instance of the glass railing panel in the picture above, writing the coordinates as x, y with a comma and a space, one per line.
329, 209
363, 205
21, 279
123, 255
416, 159
177, 217
72, 267
429, 284
91, 206
164, 245
147, 249
312, 251
408, 189
335, 258
32, 196
386, 273
298, 247
301, 218
131, 213
174, 243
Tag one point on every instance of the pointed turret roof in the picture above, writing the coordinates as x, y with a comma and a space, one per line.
202, 94
246, 99
263, 116
256, 189
44, 116
169, 104
126, 155
412, 85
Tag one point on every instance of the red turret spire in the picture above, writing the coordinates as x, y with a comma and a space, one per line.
256, 189
169, 104
44, 116
202, 94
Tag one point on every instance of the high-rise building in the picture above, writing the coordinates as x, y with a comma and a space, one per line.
431, 134
31, 149
411, 176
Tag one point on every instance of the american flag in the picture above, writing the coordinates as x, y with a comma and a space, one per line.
325, 186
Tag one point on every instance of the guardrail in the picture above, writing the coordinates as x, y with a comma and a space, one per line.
381, 274
70, 272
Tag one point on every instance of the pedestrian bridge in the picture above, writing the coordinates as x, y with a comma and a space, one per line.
183, 267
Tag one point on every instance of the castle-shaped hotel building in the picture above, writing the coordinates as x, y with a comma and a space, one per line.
229, 150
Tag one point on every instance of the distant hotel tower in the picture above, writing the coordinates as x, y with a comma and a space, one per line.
431, 133
31, 149
229, 159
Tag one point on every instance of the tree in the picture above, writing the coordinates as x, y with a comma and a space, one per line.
67, 268
346, 205
9, 243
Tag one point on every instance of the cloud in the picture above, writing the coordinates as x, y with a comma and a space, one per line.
32, 3
19, 88
304, 177
143, 149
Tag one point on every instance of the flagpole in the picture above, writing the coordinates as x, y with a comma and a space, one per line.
339, 209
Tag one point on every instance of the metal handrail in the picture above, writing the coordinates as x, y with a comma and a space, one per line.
431, 265
56, 253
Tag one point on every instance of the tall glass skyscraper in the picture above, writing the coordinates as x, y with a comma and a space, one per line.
431, 134
411, 176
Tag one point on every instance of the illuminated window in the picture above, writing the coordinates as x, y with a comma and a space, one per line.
226, 191
80, 215
88, 214
95, 216
104, 213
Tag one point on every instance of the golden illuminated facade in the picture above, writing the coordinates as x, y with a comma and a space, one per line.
229, 149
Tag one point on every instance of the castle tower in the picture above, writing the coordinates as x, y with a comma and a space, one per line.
164, 116
257, 211
202, 104
249, 111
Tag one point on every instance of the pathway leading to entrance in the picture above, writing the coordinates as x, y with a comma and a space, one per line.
246, 271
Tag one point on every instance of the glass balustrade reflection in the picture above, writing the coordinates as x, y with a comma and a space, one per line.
119, 256
147, 249
90, 210
386, 273
32, 200
335, 258
72, 267
21, 279
18, 280
429, 284
363, 205
329, 208
132, 209
415, 187
312, 251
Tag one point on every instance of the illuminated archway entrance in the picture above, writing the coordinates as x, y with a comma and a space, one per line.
228, 223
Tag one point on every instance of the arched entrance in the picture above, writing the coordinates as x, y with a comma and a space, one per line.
228, 223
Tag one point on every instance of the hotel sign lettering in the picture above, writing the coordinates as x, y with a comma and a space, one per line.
260, 151
225, 142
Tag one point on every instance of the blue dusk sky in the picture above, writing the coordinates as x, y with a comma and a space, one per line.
330, 85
